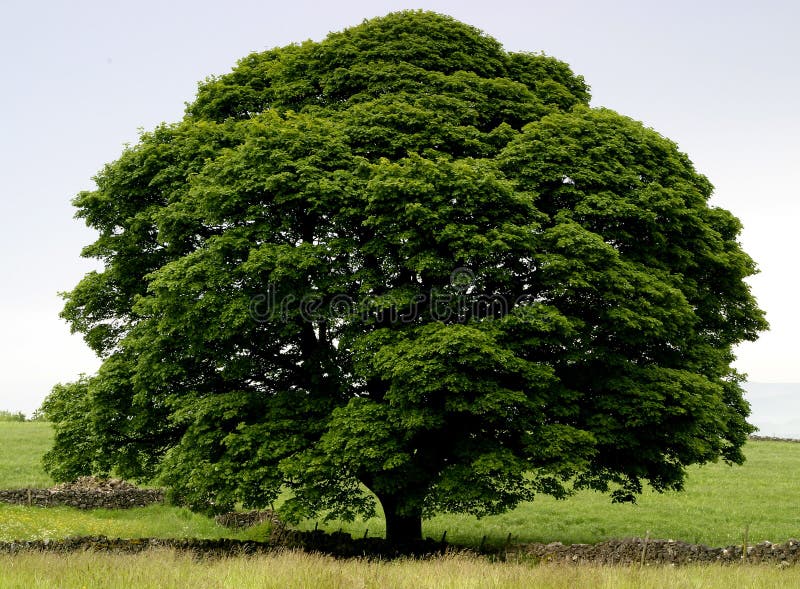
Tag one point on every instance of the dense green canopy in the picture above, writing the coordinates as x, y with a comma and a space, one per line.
403, 259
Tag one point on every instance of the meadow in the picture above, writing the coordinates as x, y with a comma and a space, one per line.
22, 445
21, 448
167, 569
720, 502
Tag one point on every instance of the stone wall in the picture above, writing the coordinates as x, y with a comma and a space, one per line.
83, 498
773, 439
637, 550
337, 544
615, 552
246, 519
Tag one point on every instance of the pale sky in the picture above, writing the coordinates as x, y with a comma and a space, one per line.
79, 78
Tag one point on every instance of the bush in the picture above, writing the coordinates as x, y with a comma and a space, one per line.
8, 416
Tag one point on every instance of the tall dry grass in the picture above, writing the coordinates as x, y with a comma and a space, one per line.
162, 569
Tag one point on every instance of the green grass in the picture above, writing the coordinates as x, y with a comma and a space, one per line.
21, 448
717, 505
719, 502
18, 522
167, 569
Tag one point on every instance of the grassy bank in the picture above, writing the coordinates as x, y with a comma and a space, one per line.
166, 569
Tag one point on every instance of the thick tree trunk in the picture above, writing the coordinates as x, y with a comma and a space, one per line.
401, 528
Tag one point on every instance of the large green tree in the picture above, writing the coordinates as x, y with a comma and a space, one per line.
407, 261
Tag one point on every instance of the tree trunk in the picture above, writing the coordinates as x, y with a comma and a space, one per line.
401, 528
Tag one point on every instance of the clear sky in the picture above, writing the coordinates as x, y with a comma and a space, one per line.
79, 78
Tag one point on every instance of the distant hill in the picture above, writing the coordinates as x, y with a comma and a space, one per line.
775, 408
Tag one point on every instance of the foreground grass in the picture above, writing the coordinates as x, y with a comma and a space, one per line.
718, 504
19, 522
22, 446
165, 569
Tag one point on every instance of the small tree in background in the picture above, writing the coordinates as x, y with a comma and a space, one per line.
405, 260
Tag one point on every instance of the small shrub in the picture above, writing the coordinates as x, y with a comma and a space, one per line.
9, 416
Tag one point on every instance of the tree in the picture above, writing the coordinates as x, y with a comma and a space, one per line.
403, 260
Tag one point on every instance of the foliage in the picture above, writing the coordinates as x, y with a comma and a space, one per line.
405, 259
68, 407
9, 416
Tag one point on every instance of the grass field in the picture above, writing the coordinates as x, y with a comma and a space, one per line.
166, 569
19, 522
718, 504
21, 448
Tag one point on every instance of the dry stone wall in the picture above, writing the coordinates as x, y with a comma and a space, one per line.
637, 550
773, 439
616, 552
86, 493
246, 519
337, 544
